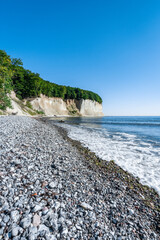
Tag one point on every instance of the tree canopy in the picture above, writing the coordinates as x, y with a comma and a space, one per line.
27, 84
6, 74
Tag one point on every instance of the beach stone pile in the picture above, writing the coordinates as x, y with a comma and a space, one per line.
48, 192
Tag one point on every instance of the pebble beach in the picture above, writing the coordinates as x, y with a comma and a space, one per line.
49, 191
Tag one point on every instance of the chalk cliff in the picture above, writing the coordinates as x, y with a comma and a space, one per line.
90, 108
57, 106
51, 106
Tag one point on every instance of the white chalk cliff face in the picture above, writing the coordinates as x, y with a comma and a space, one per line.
56, 106
90, 108
50, 106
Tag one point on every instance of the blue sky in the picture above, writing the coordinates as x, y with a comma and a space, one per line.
109, 47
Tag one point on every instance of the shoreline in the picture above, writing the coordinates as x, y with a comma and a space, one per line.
145, 194
53, 188
149, 195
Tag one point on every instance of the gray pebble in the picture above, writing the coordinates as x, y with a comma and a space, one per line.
15, 231
53, 184
86, 206
6, 219
15, 216
25, 222
37, 208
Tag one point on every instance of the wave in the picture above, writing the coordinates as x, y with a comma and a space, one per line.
129, 151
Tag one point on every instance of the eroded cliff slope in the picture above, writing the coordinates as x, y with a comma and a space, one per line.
57, 106
51, 106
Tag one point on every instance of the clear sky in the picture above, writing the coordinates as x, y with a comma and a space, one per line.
111, 47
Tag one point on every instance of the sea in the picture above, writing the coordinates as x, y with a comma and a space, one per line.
132, 142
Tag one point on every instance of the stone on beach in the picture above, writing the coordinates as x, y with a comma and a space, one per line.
15, 231
37, 208
36, 220
49, 191
53, 184
25, 222
15, 216
86, 206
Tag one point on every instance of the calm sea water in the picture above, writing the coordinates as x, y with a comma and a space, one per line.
132, 142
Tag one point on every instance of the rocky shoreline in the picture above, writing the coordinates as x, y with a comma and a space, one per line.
53, 188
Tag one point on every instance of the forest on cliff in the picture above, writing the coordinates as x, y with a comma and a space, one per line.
27, 84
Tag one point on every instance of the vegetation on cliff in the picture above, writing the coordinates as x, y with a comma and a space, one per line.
6, 74
26, 84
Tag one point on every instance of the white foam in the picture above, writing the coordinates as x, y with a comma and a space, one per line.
137, 157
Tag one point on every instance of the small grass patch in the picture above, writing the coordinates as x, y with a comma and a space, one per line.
72, 110
28, 104
32, 113
40, 112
